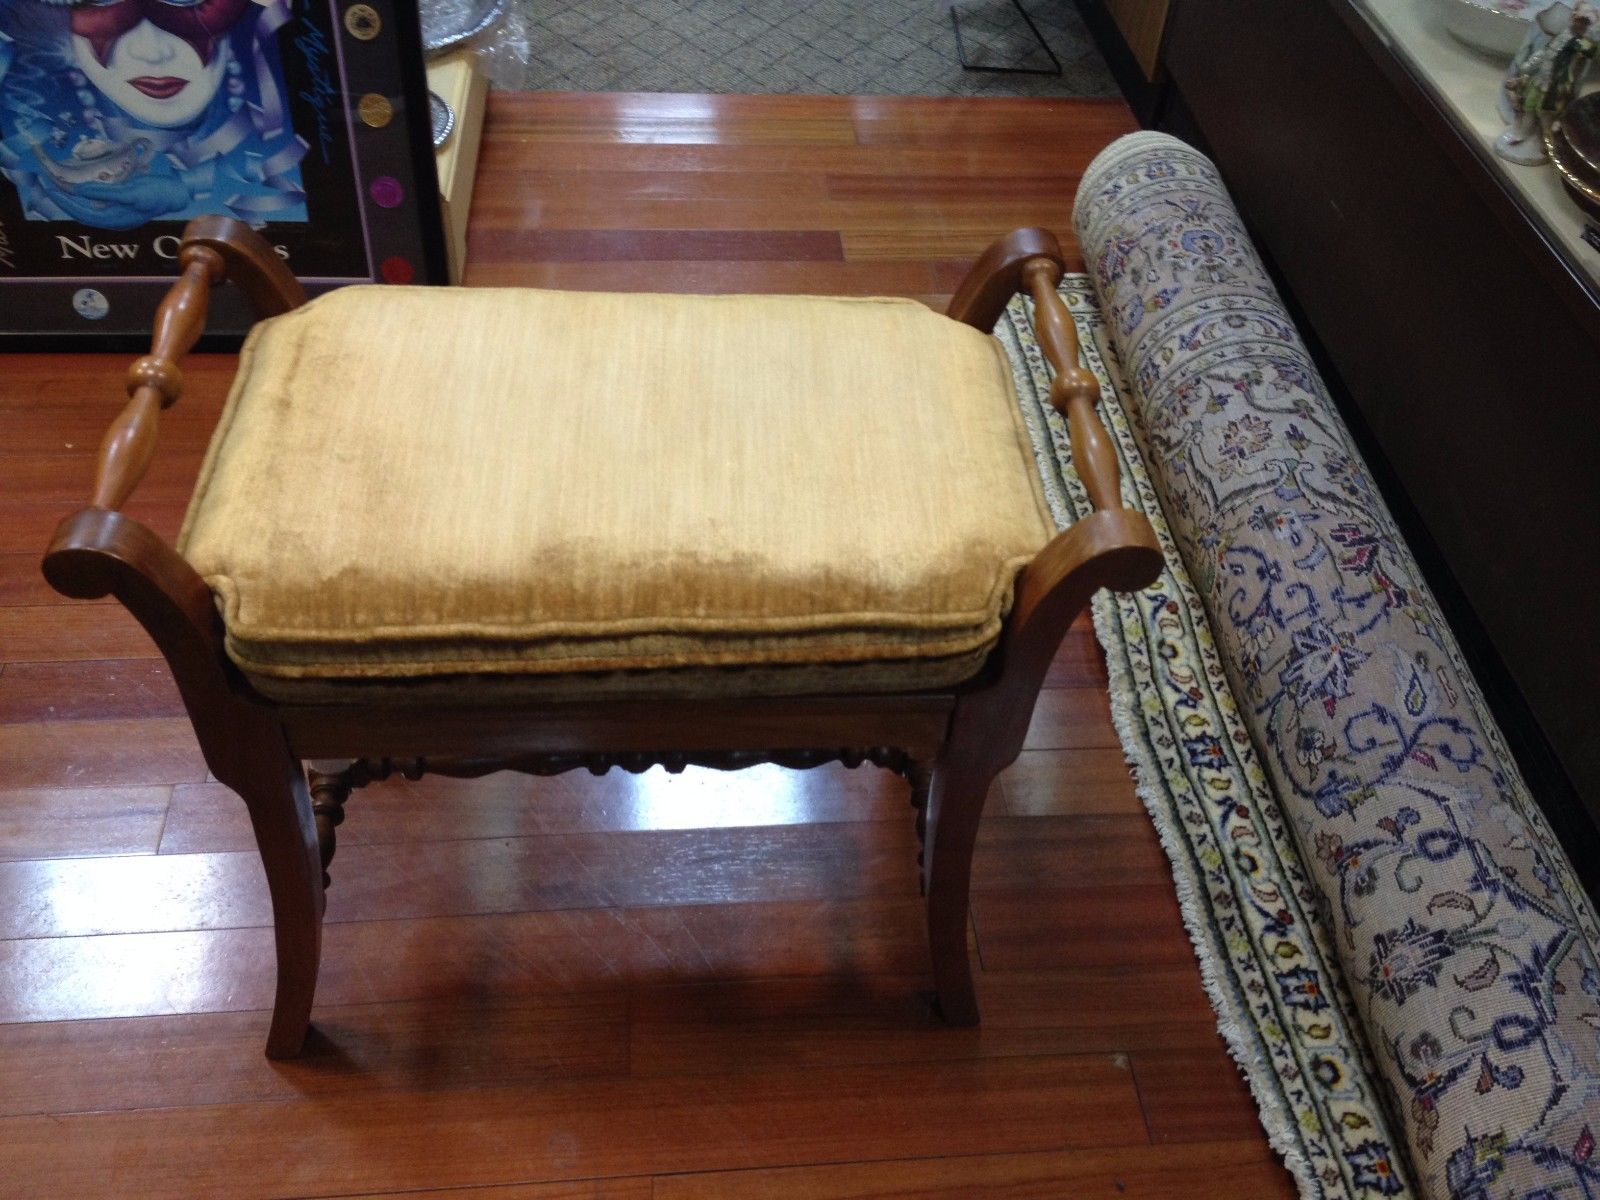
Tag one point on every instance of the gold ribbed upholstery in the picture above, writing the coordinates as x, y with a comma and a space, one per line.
628, 490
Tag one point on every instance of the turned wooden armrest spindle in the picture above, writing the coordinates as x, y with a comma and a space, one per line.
1112, 547
156, 381
213, 248
1075, 392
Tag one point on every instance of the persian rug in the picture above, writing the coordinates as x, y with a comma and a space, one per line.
1456, 920
1272, 976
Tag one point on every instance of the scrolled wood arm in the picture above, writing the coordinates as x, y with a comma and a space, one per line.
1112, 547
212, 249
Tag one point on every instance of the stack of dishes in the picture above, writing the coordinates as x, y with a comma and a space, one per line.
1573, 143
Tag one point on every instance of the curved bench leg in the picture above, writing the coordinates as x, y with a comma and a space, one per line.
955, 804
275, 791
97, 552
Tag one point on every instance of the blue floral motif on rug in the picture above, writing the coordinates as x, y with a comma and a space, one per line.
1249, 908
1455, 919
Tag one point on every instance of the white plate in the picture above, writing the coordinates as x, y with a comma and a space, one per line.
1494, 27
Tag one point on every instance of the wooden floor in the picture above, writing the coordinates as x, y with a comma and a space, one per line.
672, 987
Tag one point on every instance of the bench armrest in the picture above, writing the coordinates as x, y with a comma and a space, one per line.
213, 248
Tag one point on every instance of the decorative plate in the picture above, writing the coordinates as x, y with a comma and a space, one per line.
1581, 125
444, 118
447, 23
1580, 179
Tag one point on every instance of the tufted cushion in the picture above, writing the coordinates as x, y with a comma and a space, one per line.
414, 483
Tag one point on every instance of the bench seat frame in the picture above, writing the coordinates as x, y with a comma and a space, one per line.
949, 744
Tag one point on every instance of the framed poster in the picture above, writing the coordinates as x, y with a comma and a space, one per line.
121, 119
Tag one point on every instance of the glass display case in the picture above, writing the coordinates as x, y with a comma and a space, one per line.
1465, 83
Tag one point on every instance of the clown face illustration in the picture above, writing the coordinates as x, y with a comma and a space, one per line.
160, 63
116, 113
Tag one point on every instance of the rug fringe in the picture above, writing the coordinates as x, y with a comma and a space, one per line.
1234, 1026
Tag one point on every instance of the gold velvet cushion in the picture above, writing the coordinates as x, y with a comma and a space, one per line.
421, 482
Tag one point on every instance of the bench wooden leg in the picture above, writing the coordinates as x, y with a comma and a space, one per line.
275, 791
955, 804
96, 552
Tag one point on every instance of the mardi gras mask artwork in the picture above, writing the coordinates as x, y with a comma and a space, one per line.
199, 22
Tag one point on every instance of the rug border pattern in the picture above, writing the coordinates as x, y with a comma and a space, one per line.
1247, 903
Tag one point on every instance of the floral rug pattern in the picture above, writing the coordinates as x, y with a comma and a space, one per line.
1454, 917
1249, 908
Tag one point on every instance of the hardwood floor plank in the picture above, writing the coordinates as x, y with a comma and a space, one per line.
95, 690
511, 152
1242, 1170
1011, 121
682, 129
208, 817
230, 970
787, 278
66, 480
77, 754
169, 892
640, 216
51, 429
517, 189
894, 240
576, 1130
1079, 662
1135, 925
65, 823
22, 583
94, 383
1195, 1094
511, 109
72, 633
215, 1058
630, 244
578, 1189
959, 188
1072, 719
69, 898
1046, 853
26, 526
803, 1023
1065, 783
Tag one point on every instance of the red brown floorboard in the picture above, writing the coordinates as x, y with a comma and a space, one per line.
58, 823
1082, 782
74, 754
581, 1128
1193, 1094
1243, 1170
207, 817
695, 987
95, 689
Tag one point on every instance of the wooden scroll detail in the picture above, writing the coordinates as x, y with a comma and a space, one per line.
1075, 392
252, 265
213, 248
364, 771
997, 276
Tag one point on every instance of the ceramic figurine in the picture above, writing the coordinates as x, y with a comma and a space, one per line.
1543, 78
